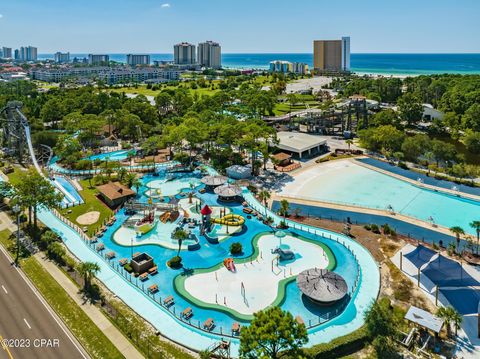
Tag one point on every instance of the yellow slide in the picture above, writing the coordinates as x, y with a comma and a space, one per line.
230, 220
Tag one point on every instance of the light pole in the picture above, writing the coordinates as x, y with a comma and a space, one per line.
16, 209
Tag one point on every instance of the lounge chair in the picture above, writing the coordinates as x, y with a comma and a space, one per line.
110, 255
123, 261
299, 320
153, 288
247, 210
236, 328
100, 247
153, 270
169, 301
409, 338
143, 277
187, 313
209, 324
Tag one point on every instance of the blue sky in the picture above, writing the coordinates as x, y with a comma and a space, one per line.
240, 25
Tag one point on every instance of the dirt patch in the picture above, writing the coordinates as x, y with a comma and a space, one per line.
88, 218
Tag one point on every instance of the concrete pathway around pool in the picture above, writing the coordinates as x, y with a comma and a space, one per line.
415, 183
94, 313
467, 343
259, 282
377, 212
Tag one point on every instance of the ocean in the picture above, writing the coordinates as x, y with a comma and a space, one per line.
385, 64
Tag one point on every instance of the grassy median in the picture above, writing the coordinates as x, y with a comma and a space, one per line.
87, 333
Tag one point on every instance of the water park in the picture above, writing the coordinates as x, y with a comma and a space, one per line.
199, 237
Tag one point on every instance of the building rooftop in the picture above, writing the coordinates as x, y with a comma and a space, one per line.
298, 142
424, 319
228, 190
214, 180
282, 156
321, 285
115, 190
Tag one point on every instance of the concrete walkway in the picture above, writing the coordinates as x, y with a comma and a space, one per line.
93, 312
351, 208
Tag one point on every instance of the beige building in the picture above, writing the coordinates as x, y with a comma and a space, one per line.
331, 55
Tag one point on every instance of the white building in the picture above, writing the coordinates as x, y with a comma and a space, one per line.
346, 53
98, 59
210, 54
134, 60
301, 144
184, 54
62, 57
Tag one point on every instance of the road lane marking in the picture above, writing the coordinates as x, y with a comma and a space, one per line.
28, 325
42, 300
5, 347
4, 289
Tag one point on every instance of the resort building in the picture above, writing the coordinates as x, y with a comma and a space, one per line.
288, 67
111, 75
331, 55
28, 53
62, 57
184, 54
98, 59
115, 194
6, 52
134, 60
210, 54
301, 144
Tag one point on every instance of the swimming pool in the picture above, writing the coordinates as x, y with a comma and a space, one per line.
119, 155
349, 255
344, 182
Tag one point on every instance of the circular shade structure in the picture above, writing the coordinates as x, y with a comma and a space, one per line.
228, 192
322, 286
214, 181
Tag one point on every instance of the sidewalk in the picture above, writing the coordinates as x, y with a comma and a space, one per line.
94, 313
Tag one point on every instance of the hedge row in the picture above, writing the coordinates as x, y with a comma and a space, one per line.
339, 347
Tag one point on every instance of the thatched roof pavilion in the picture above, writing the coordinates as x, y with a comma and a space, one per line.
322, 286
228, 192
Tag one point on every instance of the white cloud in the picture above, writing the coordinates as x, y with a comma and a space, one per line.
165, 5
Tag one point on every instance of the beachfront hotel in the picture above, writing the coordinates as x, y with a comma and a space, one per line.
98, 59
331, 55
28, 53
62, 57
134, 59
210, 54
184, 54
286, 67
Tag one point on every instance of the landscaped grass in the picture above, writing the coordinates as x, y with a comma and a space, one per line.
134, 326
14, 177
92, 203
143, 90
89, 335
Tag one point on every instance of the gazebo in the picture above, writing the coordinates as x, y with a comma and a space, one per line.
321, 286
212, 182
228, 192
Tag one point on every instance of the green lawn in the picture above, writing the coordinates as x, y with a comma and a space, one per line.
142, 89
89, 335
92, 203
135, 326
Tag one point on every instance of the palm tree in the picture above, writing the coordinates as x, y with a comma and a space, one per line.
284, 206
476, 226
458, 231
451, 316
88, 270
349, 143
180, 235
264, 196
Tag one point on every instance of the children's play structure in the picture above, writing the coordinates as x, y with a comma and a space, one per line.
230, 220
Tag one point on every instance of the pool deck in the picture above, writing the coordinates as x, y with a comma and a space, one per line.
254, 285
467, 342
351, 208
415, 183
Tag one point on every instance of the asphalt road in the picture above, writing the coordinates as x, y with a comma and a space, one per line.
28, 326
